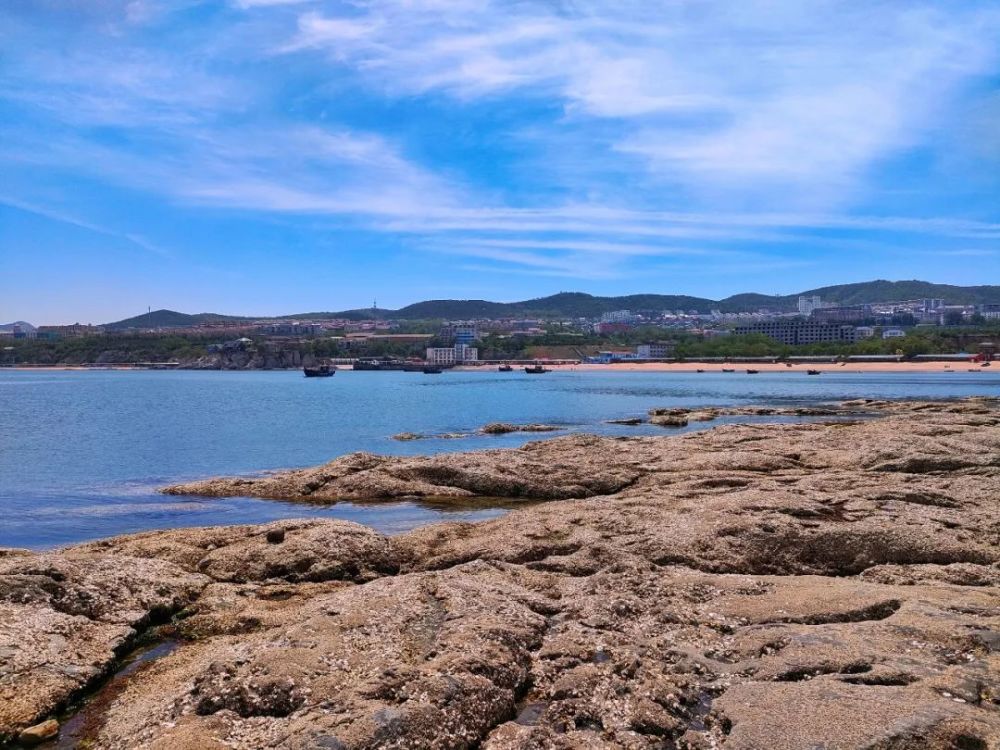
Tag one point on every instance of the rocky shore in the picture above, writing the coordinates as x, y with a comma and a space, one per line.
784, 586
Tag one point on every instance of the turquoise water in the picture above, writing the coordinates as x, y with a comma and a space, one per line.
83, 453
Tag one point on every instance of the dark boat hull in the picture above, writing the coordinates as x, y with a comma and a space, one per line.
318, 372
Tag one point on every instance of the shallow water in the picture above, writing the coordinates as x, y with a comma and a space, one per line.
83, 453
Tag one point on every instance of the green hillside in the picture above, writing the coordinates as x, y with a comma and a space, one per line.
578, 304
167, 319
896, 291
562, 305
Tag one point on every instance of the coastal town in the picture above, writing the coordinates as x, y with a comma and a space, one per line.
815, 330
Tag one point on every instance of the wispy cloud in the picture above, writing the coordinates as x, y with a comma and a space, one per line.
130, 238
717, 95
596, 139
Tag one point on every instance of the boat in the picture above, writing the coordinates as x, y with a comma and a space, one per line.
319, 371
699, 370
752, 372
729, 369
505, 368
814, 372
535, 370
385, 365
431, 370
370, 364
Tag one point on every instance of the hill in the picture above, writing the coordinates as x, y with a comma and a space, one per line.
578, 304
897, 291
21, 324
170, 319
564, 304
751, 301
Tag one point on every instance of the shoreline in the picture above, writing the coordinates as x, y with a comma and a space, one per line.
829, 560
650, 367
741, 367
752, 585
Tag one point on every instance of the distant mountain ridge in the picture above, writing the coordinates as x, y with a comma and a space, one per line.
22, 324
578, 304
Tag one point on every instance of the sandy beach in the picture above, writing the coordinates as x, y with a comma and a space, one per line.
684, 367
741, 367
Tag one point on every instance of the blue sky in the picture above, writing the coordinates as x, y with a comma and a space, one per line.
275, 156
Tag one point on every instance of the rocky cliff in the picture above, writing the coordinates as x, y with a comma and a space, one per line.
751, 586
265, 358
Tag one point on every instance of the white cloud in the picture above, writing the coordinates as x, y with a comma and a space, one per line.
267, 3
712, 95
787, 105
61, 217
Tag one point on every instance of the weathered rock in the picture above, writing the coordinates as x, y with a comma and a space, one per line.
287, 550
527, 472
39, 733
667, 420
504, 428
65, 618
776, 586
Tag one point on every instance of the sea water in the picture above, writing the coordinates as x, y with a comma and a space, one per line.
83, 453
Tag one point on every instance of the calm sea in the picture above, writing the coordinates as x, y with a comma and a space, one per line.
83, 453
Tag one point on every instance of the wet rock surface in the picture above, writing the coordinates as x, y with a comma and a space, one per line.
505, 428
752, 586
66, 617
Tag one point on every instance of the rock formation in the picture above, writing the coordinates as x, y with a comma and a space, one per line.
751, 586
504, 428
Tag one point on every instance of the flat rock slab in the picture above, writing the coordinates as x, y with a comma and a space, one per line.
789, 587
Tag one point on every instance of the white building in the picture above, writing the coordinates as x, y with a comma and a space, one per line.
654, 351
808, 304
893, 333
441, 355
864, 332
617, 316
452, 355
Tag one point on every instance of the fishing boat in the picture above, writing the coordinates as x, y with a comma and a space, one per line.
535, 370
505, 368
319, 371
752, 372
813, 372
431, 370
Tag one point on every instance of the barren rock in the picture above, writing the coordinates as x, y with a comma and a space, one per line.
503, 428
39, 733
754, 586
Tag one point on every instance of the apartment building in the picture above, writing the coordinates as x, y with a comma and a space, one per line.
798, 332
